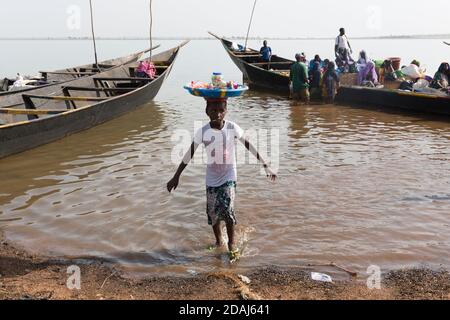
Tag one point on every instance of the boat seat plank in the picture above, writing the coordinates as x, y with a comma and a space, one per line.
248, 55
73, 88
63, 98
31, 111
272, 63
156, 67
122, 79
67, 72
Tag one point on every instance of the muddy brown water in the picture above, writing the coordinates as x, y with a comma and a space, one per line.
356, 186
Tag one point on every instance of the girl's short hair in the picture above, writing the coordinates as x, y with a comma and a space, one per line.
215, 102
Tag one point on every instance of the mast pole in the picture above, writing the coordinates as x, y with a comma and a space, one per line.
93, 35
151, 29
250, 24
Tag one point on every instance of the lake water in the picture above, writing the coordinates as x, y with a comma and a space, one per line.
356, 186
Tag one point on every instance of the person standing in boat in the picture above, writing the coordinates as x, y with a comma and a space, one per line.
299, 80
343, 49
266, 53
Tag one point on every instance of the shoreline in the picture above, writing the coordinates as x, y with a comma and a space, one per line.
181, 38
31, 277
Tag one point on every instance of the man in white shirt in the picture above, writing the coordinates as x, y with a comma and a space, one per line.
219, 137
342, 48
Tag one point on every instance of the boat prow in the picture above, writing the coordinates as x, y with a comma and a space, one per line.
270, 76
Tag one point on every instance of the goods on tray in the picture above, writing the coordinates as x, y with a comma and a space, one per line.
218, 88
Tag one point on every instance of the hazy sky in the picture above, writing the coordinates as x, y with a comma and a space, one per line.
318, 18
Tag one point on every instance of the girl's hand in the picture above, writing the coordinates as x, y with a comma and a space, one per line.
173, 184
270, 174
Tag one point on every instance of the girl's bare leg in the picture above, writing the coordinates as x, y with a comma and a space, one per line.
218, 233
230, 232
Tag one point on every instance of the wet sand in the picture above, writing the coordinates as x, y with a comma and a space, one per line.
27, 277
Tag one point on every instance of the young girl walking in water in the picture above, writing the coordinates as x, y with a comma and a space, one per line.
219, 137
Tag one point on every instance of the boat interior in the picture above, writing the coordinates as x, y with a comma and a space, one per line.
85, 91
253, 57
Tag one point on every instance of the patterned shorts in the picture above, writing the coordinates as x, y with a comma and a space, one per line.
220, 203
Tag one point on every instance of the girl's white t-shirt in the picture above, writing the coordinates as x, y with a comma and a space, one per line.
220, 148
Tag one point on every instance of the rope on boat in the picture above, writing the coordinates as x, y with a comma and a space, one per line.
250, 24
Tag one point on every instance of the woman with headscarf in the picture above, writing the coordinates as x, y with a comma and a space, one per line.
441, 78
312, 62
330, 83
362, 61
368, 76
314, 80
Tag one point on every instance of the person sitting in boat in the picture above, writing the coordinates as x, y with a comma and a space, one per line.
368, 76
315, 78
362, 60
330, 83
266, 52
146, 69
441, 78
387, 72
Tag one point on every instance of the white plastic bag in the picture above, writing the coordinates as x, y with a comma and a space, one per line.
420, 85
321, 277
413, 71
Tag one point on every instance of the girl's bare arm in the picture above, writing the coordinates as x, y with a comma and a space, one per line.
252, 149
173, 183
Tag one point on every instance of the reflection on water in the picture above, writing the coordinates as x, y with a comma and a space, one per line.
356, 186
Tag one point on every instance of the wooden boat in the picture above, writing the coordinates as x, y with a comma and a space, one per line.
273, 76
277, 80
58, 76
394, 99
43, 115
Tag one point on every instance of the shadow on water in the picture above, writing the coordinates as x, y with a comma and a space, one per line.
22, 171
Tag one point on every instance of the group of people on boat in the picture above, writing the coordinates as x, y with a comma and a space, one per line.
319, 79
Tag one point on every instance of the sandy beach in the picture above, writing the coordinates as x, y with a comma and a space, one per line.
28, 277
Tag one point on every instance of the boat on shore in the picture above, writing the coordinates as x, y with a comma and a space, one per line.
274, 77
36, 117
47, 78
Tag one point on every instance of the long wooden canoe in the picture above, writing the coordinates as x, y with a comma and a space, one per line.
47, 114
277, 80
394, 99
273, 76
47, 78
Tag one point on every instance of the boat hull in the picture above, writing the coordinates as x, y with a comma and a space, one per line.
25, 135
257, 77
424, 103
55, 79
